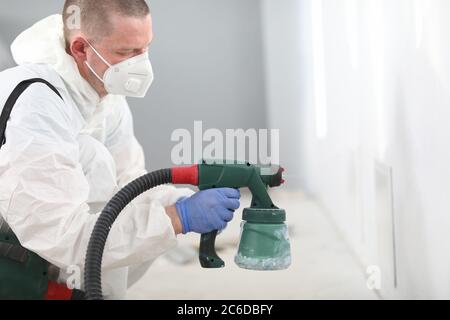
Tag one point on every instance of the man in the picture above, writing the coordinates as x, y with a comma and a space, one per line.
65, 158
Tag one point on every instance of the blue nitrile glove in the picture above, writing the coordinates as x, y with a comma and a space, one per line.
208, 210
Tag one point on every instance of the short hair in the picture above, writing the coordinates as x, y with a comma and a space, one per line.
94, 15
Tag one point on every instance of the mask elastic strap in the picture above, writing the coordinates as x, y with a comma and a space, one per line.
98, 54
95, 73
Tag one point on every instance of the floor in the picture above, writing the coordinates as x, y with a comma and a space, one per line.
322, 267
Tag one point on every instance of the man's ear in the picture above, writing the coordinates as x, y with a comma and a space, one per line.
78, 49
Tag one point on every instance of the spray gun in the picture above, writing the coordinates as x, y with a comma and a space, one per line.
264, 241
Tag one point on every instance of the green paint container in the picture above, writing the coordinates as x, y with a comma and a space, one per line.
264, 242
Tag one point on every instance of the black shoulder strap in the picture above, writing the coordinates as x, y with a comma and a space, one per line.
9, 105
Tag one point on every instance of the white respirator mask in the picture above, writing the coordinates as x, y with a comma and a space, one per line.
132, 77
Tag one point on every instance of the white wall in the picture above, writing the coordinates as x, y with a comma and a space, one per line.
284, 87
4, 55
370, 93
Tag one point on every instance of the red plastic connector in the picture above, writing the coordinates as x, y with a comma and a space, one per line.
185, 175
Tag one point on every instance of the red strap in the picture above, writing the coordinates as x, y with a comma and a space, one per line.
57, 291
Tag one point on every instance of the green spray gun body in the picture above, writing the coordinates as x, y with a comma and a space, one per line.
264, 243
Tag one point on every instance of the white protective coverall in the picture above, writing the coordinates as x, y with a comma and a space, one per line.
63, 160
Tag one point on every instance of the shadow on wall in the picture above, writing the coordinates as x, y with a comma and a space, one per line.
5, 57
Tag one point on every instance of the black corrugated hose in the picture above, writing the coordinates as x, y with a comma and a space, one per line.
94, 254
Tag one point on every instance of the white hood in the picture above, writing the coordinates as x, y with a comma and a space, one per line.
44, 43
